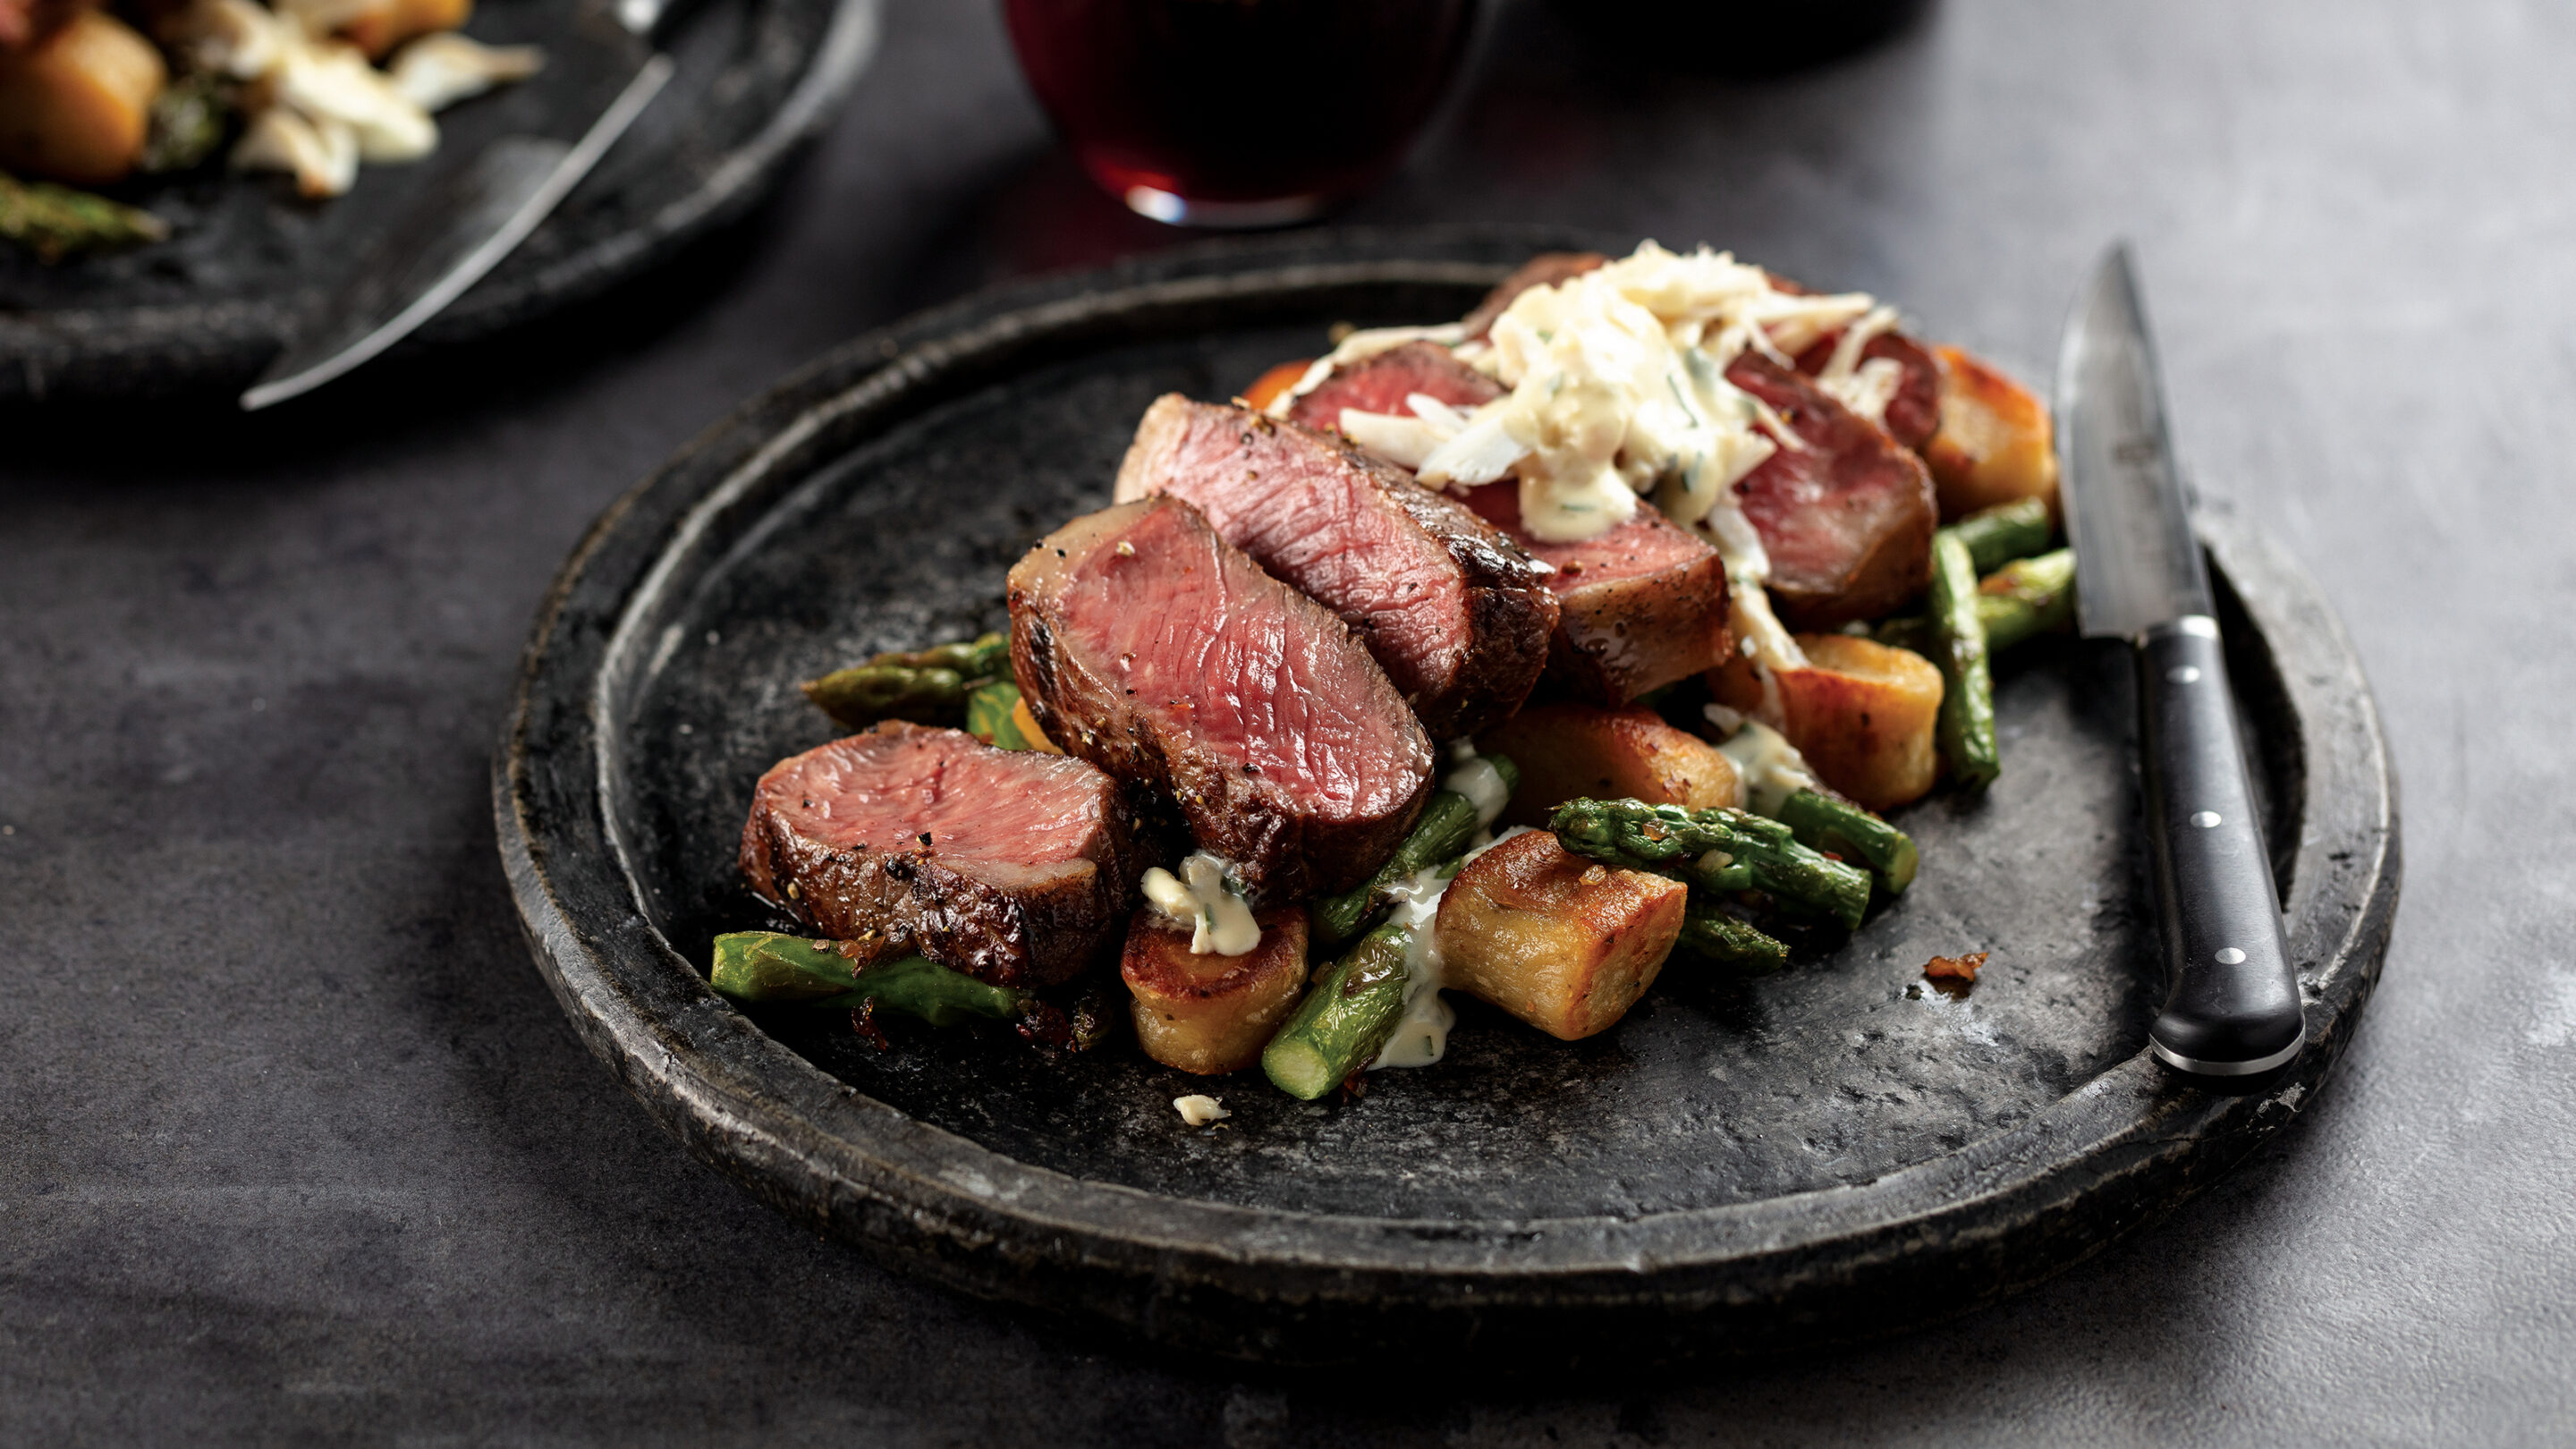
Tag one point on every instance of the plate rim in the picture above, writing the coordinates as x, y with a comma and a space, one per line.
201, 348
1303, 1286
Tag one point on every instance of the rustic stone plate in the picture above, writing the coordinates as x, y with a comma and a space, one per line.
202, 313
1834, 1152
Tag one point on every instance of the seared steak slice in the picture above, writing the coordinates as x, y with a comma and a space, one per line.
1914, 414
1544, 270
1455, 613
1150, 646
1012, 866
1380, 384
1848, 519
1641, 605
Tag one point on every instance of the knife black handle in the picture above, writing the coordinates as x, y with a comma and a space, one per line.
2232, 1007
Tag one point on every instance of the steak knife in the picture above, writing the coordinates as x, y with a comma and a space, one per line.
458, 231
2232, 1000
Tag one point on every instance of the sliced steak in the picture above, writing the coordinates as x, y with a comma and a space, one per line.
1150, 646
1012, 866
1456, 613
1544, 270
1914, 412
1848, 519
1380, 384
1641, 605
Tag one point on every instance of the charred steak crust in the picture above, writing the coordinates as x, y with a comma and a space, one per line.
1457, 614
1381, 384
1146, 644
1848, 519
1028, 873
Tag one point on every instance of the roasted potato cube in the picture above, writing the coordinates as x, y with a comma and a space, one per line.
1213, 1014
1572, 751
1861, 712
76, 106
1563, 943
1994, 444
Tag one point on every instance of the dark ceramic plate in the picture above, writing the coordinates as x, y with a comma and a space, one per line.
1833, 1152
203, 312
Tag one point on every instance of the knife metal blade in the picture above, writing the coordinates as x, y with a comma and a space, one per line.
459, 231
2232, 1007
2133, 542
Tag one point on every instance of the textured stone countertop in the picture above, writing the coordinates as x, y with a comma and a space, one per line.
298, 1149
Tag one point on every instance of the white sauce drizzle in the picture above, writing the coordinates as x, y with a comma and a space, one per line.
1482, 784
1770, 767
1220, 923
1421, 1035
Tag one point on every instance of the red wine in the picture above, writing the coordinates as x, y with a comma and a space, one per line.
1238, 112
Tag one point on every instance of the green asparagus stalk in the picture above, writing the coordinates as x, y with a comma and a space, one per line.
1712, 933
1345, 1019
1998, 535
1832, 824
926, 686
1447, 824
1967, 722
985, 657
2027, 598
56, 221
1717, 848
2017, 603
769, 966
991, 715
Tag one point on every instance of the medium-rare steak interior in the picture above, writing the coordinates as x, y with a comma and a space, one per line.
1640, 606
1457, 614
1380, 384
1847, 520
1147, 644
1014, 867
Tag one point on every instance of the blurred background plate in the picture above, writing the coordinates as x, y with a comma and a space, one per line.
1835, 1152
199, 315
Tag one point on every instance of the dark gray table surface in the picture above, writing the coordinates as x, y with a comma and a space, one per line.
296, 1146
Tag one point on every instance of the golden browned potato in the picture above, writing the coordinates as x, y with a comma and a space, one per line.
1571, 751
1862, 713
1213, 1014
1994, 444
76, 105
1563, 943
377, 26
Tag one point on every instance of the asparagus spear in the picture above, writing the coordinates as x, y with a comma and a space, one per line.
1712, 933
769, 966
1345, 1019
1998, 535
926, 686
1447, 823
1717, 848
56, 221
1967, 723
2026, 598
2017, 603
1830, 823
